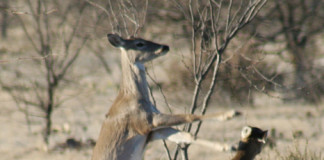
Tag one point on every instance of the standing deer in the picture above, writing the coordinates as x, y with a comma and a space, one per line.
133, 120
252, 140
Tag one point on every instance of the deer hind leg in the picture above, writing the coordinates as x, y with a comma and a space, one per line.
180, 137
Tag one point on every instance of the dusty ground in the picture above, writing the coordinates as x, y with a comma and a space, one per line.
83, 121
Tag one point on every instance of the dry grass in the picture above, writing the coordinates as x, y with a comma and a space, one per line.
296, 153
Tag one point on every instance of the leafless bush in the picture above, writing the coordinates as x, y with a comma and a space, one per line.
213, 25
295, 23
52, 30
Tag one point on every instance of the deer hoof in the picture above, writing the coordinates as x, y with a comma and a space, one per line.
231, 114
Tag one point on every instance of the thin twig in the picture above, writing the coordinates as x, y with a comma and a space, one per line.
210, 91
161, 91
167, 149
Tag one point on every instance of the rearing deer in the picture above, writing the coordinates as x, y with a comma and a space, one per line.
133, 120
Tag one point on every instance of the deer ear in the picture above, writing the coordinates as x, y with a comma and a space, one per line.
264, 137
116, 40
246, 132
265, 134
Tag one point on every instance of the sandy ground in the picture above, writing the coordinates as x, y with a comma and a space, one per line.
20, 142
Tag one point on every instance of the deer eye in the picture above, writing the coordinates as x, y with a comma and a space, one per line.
139, 44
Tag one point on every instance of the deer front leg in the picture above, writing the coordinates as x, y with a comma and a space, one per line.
222, 116
167, 120
180, 137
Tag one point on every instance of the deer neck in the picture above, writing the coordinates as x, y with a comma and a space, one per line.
133, 78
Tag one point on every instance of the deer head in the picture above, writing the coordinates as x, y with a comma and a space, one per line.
138, 50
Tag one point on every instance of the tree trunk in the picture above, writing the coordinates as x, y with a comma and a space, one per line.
49, 111
48, 127
4, 22
303, 73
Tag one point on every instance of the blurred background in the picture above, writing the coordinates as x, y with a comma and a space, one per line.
59, 75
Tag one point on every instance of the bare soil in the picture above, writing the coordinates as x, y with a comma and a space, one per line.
294, 125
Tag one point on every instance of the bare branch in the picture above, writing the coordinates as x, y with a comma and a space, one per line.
265, 78
105, 11
30, 39
113, 17
161, 91
98, 6
228, 19
262, 90
193, 38
69, 62
103, 61
167, 150
210, 92
73, 34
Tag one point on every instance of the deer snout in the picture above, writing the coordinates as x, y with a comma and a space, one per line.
162, 50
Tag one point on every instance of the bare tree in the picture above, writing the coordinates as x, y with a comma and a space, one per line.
298, 22
213, 25
51, 27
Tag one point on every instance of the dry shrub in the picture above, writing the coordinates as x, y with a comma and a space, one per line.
237, 77
305, 154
